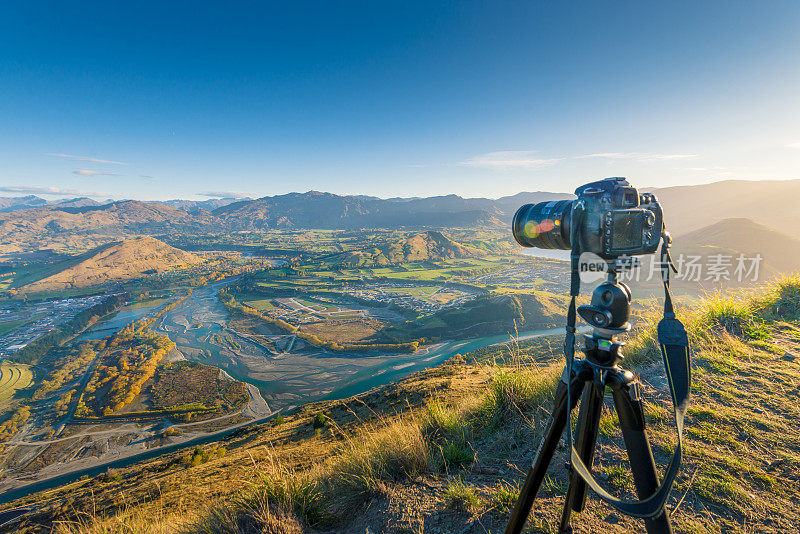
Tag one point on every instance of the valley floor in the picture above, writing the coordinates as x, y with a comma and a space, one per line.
446, 449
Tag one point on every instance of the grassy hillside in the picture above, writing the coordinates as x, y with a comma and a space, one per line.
119, 261
87, 226
446, 449
496, 312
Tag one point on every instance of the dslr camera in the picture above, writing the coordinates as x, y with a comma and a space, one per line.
616, 221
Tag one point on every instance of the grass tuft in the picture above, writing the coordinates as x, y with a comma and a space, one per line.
299, 494
517, 390
244, 515
461, 496
395, 451
455, 456
504, 496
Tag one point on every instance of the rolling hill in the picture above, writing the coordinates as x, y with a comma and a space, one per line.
431, 245
85, 226
117, 261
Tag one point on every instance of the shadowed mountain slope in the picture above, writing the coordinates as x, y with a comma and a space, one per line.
325, 210
773, 203
735, 237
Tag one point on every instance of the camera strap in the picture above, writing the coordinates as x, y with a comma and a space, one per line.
674, 344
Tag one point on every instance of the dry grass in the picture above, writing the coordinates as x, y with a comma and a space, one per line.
127, 520
392, 450
253, 515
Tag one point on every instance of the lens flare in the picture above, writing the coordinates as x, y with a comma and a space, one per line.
531, 229
546, 225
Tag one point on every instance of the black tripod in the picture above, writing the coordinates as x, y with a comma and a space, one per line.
586, 379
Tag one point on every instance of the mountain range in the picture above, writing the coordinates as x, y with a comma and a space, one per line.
8, 204
30, 223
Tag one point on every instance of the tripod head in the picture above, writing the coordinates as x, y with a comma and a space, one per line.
608, 314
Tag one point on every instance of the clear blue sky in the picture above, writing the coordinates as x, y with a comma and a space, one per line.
393, 98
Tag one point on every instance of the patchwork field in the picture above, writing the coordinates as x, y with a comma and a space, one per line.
344, 331
13, 377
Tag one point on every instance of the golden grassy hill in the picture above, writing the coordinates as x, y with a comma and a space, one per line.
123, 260
446, 450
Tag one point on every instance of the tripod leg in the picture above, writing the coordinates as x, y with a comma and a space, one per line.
628, 403
585, 442
547, 448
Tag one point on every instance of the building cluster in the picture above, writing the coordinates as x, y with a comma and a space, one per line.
39, 318
392, 294
542, 275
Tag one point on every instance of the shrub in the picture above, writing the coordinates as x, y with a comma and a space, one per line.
319, 421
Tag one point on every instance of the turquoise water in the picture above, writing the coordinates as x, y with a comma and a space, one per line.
402, 367
116, 322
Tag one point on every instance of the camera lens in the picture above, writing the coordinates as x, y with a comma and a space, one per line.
543, 225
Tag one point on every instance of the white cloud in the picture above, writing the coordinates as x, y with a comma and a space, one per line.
640, 156
794, 145
529, 159
223, 194
90, 172
145, 176
32, 190
84, 158
706, 169
510, 159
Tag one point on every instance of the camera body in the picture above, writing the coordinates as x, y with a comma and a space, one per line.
617, 221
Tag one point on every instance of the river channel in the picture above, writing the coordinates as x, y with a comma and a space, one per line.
284, 380
199, 326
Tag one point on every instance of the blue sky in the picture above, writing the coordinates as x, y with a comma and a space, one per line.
154, 101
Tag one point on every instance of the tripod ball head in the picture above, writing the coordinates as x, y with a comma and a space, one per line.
610, 307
